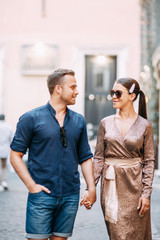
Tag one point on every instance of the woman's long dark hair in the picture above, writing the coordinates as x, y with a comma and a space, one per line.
128, 83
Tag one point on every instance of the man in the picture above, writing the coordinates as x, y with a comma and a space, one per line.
6, 134
57, 141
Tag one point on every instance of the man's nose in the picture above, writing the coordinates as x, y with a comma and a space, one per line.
76, 92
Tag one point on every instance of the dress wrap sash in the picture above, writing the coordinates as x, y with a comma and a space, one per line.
111, 199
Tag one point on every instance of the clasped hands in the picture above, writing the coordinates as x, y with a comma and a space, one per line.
88, 198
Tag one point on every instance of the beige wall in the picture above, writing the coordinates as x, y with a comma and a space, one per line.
77, 28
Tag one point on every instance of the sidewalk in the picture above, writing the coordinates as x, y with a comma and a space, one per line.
89, 225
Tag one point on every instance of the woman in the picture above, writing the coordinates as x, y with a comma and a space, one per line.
124, 157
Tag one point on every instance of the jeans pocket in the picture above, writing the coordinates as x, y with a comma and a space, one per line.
36, 194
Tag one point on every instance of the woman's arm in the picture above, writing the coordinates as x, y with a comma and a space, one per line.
98, 162
147, 172
148, 163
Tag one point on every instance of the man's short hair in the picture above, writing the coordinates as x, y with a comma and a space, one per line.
56, 78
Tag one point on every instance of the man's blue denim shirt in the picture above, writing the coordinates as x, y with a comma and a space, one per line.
49, 163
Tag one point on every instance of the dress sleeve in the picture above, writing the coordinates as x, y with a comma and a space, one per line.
98, 161
148, 162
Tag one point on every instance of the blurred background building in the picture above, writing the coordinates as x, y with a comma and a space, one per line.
150, 64
101, 40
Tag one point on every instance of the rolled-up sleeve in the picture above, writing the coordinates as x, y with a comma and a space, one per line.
84, 151
23, 135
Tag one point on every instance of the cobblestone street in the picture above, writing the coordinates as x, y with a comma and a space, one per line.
89, 224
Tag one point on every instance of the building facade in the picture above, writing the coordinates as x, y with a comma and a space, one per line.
150, 64
98, 39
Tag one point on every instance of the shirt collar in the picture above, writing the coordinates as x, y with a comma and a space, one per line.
53, 111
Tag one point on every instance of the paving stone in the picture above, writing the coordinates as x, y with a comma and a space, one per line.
89, 224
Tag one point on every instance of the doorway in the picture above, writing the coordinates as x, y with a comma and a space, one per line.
100, 75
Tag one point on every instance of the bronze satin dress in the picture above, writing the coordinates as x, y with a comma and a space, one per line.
132, 182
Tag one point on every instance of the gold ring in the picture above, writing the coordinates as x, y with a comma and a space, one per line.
141, 215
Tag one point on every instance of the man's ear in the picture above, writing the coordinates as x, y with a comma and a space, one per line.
58, 89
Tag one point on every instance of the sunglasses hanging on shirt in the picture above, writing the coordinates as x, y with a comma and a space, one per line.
63, 137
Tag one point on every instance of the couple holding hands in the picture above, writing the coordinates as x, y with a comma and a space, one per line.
57, 141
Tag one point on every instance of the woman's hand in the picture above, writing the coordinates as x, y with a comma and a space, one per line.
143, 206
88, 199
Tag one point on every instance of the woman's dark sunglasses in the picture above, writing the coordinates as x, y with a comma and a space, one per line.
117, 93
63, 137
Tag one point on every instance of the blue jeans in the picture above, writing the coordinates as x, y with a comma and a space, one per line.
47, 215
